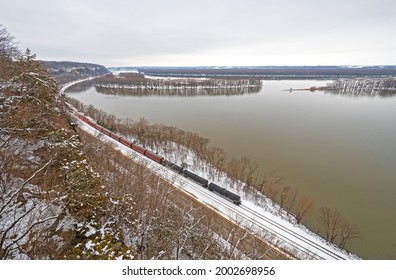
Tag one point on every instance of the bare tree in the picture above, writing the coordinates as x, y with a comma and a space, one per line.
337, 229
8, 51
23, 217
303, 208
270, 186
249, 171
330, 220
284, 195
348, 233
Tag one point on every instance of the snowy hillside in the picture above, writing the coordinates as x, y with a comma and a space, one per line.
66, 71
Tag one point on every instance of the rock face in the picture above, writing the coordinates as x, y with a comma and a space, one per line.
66, 71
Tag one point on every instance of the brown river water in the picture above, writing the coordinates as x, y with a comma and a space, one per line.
338, 149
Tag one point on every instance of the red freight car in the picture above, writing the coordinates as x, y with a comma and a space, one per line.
153, 156
88, 121
98, 127
105, 131
81, 117
138, 149
84, 118
125, 142
115, 136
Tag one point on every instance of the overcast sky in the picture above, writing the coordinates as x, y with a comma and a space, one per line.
205, 32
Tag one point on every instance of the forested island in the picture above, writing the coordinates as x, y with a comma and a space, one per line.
371, 87
137, 84
383, 87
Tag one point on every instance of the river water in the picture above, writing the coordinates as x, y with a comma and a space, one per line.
338, 149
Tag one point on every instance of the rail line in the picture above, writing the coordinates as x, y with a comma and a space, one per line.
182, 182
280, 232
302, 238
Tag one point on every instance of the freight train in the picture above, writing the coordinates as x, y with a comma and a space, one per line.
161, 160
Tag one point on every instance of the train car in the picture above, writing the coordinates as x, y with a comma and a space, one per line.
98, 127
225, 193
83, 118
115, 136
105, 131
86, 120
172, 166
126, 142
153, 156
89, 122
195, 178
138, 149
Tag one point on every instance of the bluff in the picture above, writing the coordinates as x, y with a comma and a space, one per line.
67, 71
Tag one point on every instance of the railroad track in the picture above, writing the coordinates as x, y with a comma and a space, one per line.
285, 235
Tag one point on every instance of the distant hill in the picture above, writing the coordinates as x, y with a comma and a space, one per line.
66, 71
269, 72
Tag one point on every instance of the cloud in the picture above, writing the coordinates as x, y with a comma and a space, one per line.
206, 32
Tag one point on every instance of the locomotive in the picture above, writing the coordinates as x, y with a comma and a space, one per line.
236, 199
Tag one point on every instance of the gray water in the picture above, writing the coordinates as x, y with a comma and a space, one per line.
338, 149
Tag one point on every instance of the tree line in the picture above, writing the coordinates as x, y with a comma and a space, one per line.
274, 72
383, 87
139, 81
190, 92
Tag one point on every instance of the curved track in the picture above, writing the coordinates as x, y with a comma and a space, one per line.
288, 237
249, 219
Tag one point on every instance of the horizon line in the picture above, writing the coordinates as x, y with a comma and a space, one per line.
251, 66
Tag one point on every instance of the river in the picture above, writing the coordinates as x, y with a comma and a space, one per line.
338, 149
